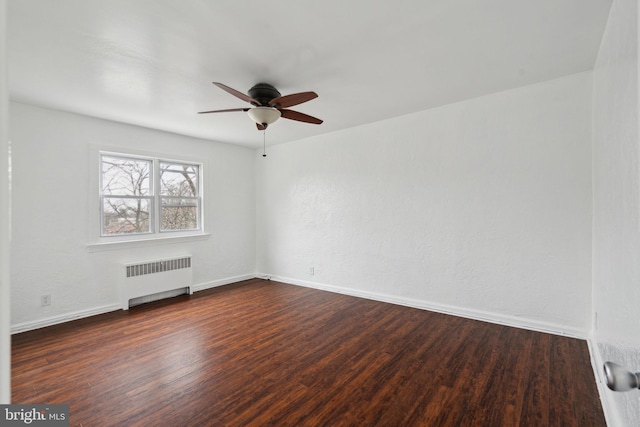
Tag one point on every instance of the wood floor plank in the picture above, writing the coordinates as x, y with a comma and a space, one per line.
262, 353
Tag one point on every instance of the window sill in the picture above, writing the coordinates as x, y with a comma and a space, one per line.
141, 243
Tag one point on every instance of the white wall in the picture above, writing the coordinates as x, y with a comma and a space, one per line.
482, 208
5, 305
616, 203
52, 213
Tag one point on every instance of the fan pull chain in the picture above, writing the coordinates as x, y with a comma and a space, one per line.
264, 142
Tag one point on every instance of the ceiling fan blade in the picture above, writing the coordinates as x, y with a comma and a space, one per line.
237, 94
293, 99
294, 115
224, 111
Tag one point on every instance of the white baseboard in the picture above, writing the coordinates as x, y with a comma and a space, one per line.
409, 302
67, 317
222, 282
485, 316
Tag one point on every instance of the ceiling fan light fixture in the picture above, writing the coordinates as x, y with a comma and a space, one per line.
264, 115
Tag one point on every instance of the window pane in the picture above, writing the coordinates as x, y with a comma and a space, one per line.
178, 180
123, 176
125, 216
179, 214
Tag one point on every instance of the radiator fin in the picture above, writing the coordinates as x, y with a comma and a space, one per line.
158, 266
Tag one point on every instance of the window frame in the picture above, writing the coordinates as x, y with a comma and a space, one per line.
155, 199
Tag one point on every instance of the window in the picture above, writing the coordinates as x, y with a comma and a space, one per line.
141, 195
127, 195
179, 198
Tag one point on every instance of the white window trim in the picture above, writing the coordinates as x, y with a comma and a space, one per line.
142, 243
97, 242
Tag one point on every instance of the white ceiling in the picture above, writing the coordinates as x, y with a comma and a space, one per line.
151, 62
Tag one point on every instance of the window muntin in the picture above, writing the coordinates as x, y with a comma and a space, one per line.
141, 195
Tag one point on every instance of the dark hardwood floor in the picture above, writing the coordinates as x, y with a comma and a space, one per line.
262, 353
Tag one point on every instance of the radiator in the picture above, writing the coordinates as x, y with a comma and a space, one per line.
152, 280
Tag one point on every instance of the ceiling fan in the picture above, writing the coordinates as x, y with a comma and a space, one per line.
269, 105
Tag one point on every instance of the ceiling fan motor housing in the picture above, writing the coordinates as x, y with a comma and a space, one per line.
263, 93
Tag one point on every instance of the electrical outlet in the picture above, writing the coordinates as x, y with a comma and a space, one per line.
311, 271
45, 300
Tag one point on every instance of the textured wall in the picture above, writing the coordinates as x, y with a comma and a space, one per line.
52, 169
482, 207
616, 202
